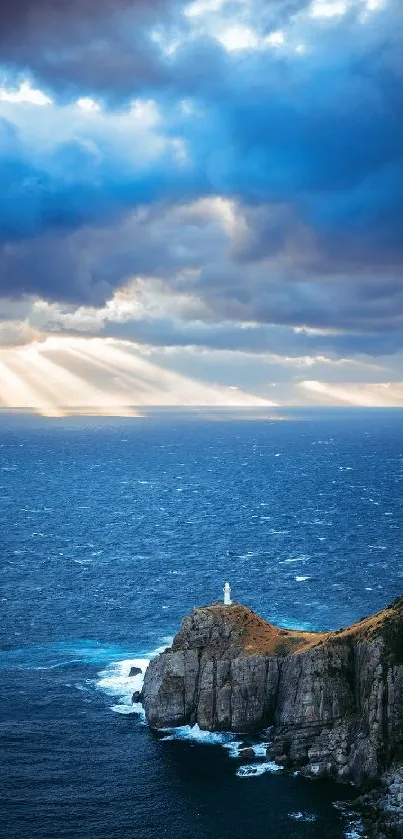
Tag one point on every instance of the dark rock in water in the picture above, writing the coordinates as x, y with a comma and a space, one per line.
335, 700
246, 752
135, 671
137, 697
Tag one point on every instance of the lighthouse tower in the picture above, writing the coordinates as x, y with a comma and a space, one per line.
227, 595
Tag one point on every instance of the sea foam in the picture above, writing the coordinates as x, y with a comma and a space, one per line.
197, 735
116, 682
227, 739
251, 770
299, 816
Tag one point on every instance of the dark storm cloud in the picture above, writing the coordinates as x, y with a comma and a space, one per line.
259, 340
309, 146
111, 47
89, 45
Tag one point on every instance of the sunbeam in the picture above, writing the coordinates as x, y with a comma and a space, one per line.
101, 376
377, 395
17, 392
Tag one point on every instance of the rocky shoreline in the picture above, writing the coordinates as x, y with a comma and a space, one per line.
381, 808
334, 700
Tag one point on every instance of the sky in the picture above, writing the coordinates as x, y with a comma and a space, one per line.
201, 203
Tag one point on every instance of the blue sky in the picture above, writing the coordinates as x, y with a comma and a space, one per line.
201, 203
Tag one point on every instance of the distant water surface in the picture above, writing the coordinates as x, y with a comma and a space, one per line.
112, 531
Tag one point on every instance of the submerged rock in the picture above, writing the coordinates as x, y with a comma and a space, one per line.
334, 700
246, 753
135, 671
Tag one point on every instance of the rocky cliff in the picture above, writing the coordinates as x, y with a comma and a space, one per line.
334, 700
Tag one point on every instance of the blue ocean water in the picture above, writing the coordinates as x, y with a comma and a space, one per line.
112, 530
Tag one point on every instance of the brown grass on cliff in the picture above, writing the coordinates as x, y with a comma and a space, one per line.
387, 624
257, 635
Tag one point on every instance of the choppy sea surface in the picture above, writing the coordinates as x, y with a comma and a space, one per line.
112, 530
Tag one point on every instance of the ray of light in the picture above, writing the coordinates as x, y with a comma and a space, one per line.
101, 376
178, 389
68, 390
131, 380
17, 392
27, 365
377, 395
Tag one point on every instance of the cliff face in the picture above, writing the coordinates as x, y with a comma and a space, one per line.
335, 700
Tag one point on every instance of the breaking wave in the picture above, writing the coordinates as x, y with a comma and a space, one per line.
208, 738
238, 749
116, 681
299, 816
253, 769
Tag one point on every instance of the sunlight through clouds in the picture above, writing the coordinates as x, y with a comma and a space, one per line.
239, 38
375, 5
275, 39
328, 8
25, 93
201, 7
88, 104
244, 38
68, 375
199, 198
377, 395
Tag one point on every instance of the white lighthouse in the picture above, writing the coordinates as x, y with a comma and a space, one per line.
227, 595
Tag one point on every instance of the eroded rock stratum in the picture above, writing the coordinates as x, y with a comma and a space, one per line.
334, 700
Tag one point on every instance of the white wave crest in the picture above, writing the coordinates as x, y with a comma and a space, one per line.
355, 828
209, 738
253, 769
298, 816
228, 740
260, 749
116, 681
134, 708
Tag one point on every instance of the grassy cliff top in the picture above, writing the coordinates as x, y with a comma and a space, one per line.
386, 624
243, 628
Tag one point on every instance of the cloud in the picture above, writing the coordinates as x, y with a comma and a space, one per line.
87, 45
309, 148
246, 188
198, 286
17, 333
115, 48
63, 178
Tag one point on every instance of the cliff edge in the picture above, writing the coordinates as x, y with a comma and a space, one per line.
334, 700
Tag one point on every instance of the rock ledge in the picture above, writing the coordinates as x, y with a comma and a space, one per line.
334, 700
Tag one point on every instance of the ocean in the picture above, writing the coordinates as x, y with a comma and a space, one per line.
112, 530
